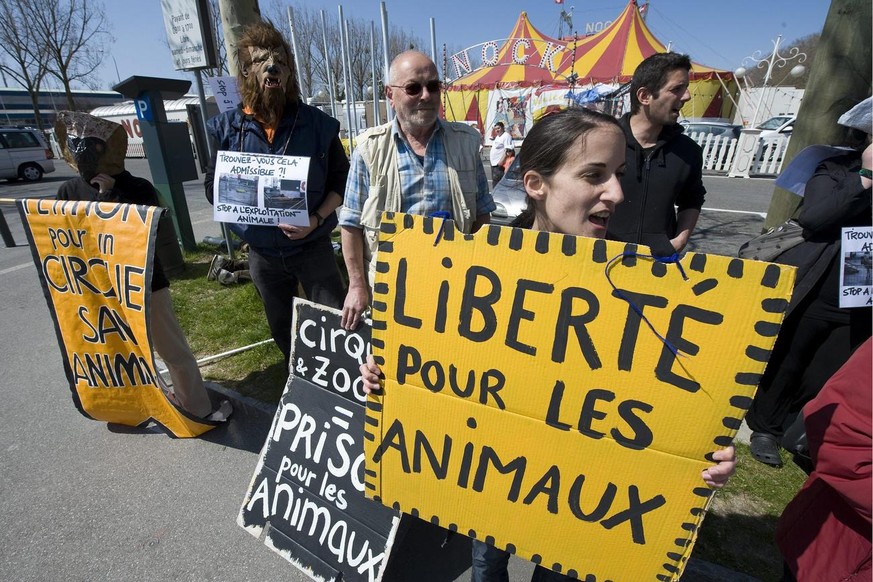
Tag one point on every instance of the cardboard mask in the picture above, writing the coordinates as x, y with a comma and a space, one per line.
78, 133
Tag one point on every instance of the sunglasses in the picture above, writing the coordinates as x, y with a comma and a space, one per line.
414, 88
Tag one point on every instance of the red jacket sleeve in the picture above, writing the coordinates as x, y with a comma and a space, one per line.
838, 427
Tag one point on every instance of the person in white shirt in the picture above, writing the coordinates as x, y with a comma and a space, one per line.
501, 142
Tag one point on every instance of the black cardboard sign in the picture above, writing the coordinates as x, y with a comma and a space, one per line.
307, 493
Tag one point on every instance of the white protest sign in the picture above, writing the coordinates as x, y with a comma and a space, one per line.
261, 189
185, 35
226, 92
856, 267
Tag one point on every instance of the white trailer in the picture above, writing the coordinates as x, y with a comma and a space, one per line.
125, 115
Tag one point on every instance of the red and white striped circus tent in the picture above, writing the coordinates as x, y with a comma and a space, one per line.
526, 58
529, 70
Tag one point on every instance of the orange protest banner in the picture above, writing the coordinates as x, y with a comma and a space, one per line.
94, 261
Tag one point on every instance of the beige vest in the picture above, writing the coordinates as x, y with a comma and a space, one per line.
378, 152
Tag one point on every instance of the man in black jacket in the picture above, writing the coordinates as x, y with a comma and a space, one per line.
663, 184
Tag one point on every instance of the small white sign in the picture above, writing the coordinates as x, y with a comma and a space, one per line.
856, 268
261, 189
184, 34
226, 92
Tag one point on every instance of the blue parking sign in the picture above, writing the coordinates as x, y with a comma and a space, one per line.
143, 106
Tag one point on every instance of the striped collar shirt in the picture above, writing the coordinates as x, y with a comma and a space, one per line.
424, 181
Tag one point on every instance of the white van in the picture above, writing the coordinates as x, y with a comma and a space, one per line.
24, 154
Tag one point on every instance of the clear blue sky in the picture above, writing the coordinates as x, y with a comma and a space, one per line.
718, 34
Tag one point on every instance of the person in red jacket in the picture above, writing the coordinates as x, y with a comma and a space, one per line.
824, 533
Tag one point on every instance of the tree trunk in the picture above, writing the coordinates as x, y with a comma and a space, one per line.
839, 79
71, 103
235, 16
34, 100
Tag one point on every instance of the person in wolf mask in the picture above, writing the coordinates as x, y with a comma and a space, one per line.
95, 148
273, 120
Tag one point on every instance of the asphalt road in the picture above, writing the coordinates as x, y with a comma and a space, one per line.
87, 501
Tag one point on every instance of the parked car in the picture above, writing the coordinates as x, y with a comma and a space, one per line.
24, 154
509, 196
773, 140
777, 125
715, 128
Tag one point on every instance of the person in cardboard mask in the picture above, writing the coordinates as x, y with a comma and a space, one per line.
273, 120
95, 148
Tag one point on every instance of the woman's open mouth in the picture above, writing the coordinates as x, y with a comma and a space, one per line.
600, 218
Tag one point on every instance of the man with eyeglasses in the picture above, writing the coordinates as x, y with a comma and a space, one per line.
416, 164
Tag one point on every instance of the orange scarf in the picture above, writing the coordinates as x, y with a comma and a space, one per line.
269, 131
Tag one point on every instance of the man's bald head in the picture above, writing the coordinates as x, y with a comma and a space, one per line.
414, 92
409, 62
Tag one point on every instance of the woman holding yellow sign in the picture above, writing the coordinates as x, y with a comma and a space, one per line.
571, 164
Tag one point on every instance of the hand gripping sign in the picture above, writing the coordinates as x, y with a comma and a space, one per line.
94, 261
557, 396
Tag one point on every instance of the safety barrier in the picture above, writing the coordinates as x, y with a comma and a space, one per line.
765, 159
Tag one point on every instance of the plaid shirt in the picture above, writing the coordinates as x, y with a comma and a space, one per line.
425, 184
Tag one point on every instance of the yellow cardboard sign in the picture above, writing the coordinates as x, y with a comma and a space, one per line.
526, 403
95, 264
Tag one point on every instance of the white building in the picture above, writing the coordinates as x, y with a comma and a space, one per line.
775, 101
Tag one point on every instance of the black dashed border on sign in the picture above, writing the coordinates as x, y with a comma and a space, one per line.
492, 236
758, 356
374, 405
516, 239
427, 225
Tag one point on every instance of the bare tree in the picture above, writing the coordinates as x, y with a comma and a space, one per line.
400, 40
310, 58
307, 34
808, 45
316, 67
360, 74
75, 36
220, 49
23, 58
332, 62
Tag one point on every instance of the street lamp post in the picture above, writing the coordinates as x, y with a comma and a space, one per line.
773, 61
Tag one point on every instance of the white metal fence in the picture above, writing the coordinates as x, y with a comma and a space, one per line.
719, 153
771, 152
